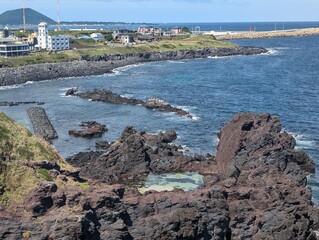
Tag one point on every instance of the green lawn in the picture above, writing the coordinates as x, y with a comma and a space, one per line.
100, 48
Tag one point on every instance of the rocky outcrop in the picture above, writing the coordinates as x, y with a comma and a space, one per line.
101, 95
96, 65
10, 104
256, 190
90, 129
266, 185
161, 105
41, 124
135, 155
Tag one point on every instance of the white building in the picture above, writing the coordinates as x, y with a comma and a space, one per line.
126, 39
58, 42
97, 36
11, 48
51, 43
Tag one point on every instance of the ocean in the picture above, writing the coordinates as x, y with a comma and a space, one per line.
284, 82
213, 26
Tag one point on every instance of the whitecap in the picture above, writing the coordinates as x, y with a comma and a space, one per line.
272, 51
10, 87
127, 95
121, 70
29, 82
172, 61
215, 57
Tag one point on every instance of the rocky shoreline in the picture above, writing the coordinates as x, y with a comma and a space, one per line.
97, 65
255, 188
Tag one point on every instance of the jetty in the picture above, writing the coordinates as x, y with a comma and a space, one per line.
233, 35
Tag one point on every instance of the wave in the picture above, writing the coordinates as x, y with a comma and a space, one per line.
217, 57
272, 51
16, 85
302, 142
276, 50
189, 110
178, 62
121, 70
10, 87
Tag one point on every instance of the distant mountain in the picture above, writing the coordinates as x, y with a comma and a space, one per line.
15, 17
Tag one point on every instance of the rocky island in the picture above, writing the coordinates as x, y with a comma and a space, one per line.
255, 187
102, 95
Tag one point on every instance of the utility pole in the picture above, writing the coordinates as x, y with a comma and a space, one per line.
58, 10
23, 12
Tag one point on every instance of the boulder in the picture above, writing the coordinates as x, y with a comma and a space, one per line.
90, 129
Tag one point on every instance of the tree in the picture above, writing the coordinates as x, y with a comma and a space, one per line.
185, 30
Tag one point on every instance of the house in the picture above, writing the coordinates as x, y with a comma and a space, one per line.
9, 47
51, 43
145, 38
6, 33
126, 39
176, 30
148, 30
118, 33
97, 36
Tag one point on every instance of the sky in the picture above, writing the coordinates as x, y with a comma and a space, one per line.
173, 11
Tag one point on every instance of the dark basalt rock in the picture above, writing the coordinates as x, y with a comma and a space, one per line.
108, 96
158, 104
96, 65
11, 104
257, 190
104, 145
41, 124
90, 129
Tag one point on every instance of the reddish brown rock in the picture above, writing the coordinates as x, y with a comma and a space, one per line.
258, 192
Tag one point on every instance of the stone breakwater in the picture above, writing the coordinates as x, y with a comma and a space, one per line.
96, 65
41, 124
269, 34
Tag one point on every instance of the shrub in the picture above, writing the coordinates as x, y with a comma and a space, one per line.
45, 174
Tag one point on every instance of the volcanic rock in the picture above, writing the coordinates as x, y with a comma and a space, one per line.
90, 129
257, 190
41, 124
108, 96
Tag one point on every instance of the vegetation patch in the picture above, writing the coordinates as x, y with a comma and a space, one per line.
44, 173
17, 146
90, 47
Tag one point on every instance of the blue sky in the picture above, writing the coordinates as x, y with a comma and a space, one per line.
164, 11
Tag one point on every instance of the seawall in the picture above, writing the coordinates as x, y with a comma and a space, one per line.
268, 34
97, 65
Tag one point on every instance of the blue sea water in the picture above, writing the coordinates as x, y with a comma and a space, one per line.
212, 26
284, 82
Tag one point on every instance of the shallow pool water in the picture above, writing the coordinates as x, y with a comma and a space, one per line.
170, 181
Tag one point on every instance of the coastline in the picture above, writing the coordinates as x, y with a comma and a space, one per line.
97, 65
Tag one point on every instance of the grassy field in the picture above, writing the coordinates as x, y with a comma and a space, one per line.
92, 48
18, 145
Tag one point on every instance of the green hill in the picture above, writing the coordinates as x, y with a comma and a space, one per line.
15, 17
